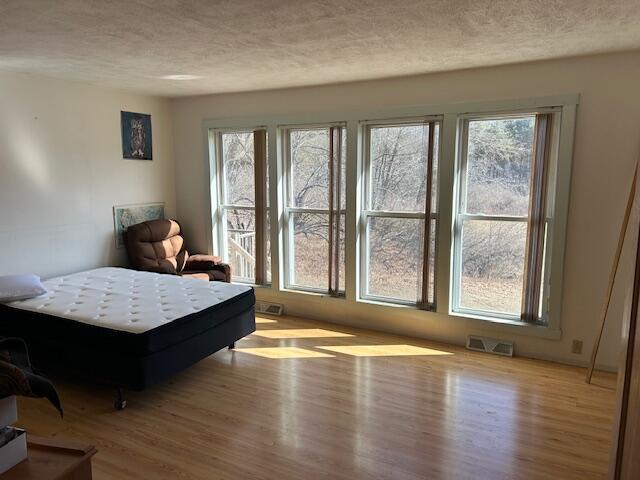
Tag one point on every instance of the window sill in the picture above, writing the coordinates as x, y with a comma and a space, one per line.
387, 304
382, 303
472, 324
510, 326
491, 325
311, 293
252, 285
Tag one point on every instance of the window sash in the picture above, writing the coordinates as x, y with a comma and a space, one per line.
229, 206
325, 211
259, 208
494, 218
461, 219
337, 130
407, 215
225, 241
422, 302
364, 264
395, 214
537, 260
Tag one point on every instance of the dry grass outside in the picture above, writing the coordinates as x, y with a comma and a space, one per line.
311, 263
398, 276
492, 295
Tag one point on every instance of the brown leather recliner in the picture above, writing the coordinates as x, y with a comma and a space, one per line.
157, 246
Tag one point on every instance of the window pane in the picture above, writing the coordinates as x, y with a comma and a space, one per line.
310, 168
395, 257
237, 155
492, 266
398, 157
310, 250
241, 244
499, 166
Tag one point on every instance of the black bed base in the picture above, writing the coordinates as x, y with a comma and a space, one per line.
126, 370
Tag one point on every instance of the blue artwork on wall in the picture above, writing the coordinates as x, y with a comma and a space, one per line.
136, 136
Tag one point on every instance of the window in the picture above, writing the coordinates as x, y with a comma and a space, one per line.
315, 208
501, 220
458, 209
399, 218
244, 204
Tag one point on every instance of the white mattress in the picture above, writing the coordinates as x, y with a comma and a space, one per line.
127, 300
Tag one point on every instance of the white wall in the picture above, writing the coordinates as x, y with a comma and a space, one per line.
606, 148
61, 172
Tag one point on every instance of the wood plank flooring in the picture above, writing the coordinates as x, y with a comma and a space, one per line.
309, 400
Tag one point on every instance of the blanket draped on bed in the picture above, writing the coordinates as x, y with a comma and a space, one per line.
18, 378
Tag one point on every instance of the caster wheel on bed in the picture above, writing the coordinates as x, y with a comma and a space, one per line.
120, 402
232, 346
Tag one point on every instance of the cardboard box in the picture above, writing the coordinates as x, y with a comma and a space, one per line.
8, 411
14, 452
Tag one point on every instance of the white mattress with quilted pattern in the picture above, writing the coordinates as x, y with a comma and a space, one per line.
127, 300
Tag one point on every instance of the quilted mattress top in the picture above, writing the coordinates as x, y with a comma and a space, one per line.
127, 300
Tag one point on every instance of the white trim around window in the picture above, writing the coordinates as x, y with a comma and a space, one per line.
368, 213
333, 210
254, 270
534, 286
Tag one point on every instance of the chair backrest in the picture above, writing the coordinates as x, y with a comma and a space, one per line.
156, 246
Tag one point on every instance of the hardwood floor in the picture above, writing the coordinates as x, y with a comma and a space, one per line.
309, 400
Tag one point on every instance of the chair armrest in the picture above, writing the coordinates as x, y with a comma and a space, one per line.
202, 262
226, 269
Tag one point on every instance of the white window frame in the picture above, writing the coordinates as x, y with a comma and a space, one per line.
366, 213
304, 303
221, 206
288, 209
459, 218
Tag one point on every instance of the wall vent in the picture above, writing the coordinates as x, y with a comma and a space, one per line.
269, 308
490, 345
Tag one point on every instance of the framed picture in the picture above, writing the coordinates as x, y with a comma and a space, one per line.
126, 215
136, 136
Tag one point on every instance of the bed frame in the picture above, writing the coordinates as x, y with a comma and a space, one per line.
107, 364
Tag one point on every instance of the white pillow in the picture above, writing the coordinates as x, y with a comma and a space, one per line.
20, 287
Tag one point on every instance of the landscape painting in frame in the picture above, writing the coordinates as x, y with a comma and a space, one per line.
126, 215
136, 136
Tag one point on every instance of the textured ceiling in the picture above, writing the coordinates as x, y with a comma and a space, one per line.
261, 44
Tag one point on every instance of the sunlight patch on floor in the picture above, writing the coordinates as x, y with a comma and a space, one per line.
265, 320
283, 352
383, 350
300, 333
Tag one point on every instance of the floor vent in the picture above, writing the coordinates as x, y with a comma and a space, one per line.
269, 308
490, 345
